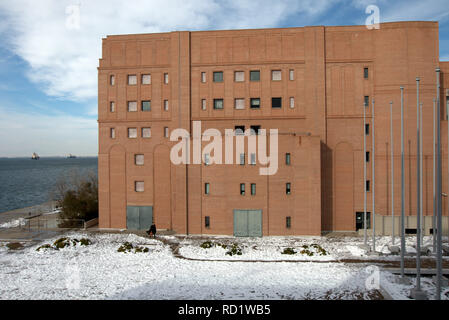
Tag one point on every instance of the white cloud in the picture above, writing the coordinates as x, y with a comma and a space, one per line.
64, 60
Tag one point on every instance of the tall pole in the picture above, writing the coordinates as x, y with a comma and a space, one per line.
364, 173
392, 173
421, 172
434, 183
418, 191
402, 186
373, 148
439, 218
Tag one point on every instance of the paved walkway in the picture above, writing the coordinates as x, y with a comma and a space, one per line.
26, 212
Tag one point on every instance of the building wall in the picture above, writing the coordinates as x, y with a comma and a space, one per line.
323, 132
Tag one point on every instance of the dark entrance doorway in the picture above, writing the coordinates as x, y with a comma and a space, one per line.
359, 220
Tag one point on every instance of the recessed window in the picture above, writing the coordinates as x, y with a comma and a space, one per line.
365, 73
366, 128
112, 106
112, 133
366, 101
242, 159
146, 132
276, 103
139, 186
239, 103
112, 80
253, 159
207, 221
253, 189
288, 222
166, 132
239, 130
367, 156
292, 103
239, 76
255, 129
254, 75
255, 103
146, 105
203, 77
291, 74
132, 79
146, 79
206, 188
139, 159
288, 188
203, 104
165, 105
132, 106
218, 76
242, 189
367, 185
166, 78
218, 104
132, 133
287, 159
276, 75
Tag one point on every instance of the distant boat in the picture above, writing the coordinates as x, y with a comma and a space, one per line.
71, 156
35, 156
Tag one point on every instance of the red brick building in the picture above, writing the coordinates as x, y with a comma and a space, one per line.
310, 83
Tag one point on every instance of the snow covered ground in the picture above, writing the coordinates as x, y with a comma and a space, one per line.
98, 271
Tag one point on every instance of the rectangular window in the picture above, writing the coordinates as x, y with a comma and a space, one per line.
288, 222
203, 77
166, 78
112, 106
254, 75
367, 156
139, 186
253, 159
165, 105
218, 76
239, 76
139, 159
288, 189
207, 221
239, 130
132, 106
291, 74
292, 103
287, 159
146, 132
365, 73
276, 103
112, 80
132, 79
132, 133
255, 103
239, 103
206, 188
146, 105
367, 186
366, 128
242, 159
254, 130
242, 189
166, 132
218, 104
366, 101
146, 79
206, 159
203, 104
253, 189
112, 133
276, 75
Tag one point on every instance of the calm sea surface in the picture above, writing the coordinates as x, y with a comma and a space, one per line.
25, 182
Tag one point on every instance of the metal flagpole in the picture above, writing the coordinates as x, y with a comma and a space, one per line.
364, 173
421, 174
439, 218
418, 190
434, 184
392, 174
374, 181
402, 186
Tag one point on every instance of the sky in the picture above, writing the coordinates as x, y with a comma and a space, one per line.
49, 53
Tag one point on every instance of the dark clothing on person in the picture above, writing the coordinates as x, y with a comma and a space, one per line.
152, 231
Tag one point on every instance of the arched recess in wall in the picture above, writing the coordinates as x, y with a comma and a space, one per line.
162, 187
344, 215
117, 186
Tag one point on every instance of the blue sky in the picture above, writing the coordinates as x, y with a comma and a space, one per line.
48, 61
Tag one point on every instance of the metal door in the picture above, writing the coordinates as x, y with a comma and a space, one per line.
247, 223
145, 217
139, 217
132, 218
254, 223
240, 223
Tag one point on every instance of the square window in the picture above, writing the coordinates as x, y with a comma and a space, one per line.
165, 105
207, 221
112, 80
218, 104
139, 186
276, 75
132, 133
112, 106
288, 188
239, 130
366, 101
112, 133
276, 103
242, 159
254, 75
254, 130
287, 159
146, 105
242, 189
255, 103
166, 132
292, 103
146, 79
253, 189
203, 77
253, 159
218, 76
239, 76
132, 106
139, 159
206, 188
288, 222
239, 103
146, 132
132, 79
203, 104
365, 73
291, 74
166, 78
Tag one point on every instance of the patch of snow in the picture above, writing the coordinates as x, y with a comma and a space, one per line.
13, 223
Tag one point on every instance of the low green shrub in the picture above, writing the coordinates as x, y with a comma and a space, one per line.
44, 246
289, 251
207, 245
128, 247
234, 250
65, 242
